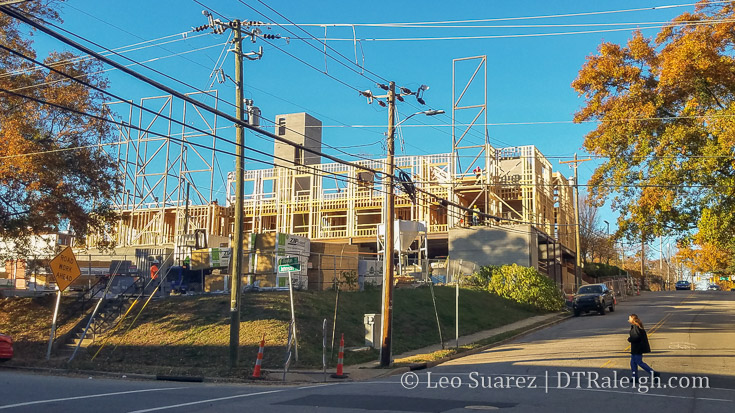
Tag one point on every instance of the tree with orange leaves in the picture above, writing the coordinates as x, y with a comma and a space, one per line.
53, 174
665, 109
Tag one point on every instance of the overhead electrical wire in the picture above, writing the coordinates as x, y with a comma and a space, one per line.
13, 13
21, 17
517, 26
300, 60
440, 201
317, 39
506, 36
135, 63
311, 66
121, 49
494, 124
196, 62
317, 172
326, 174
142, 108
186, 84
548, 16
183, 36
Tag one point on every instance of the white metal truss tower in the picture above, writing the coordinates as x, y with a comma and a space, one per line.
156, 170
472, 157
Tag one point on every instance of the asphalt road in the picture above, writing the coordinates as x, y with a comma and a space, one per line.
576, 365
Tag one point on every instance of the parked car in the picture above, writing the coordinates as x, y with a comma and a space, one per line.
683, 285
595, 297
6, 347
713, 287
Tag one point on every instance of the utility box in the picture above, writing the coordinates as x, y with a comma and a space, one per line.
372, 330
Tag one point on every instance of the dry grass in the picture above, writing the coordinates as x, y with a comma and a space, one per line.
190, 335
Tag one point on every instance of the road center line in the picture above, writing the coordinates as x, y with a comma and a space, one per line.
655, 326
10, 406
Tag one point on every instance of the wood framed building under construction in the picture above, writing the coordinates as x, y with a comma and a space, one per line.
339, 203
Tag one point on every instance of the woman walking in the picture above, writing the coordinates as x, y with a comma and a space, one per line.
638, 346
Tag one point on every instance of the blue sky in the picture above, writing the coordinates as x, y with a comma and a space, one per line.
528, 77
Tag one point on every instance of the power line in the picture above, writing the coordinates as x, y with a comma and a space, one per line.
315, 38
137, 106
316, 171
121, 49
551, 16
135, 63
506, 26
508, 36
12, 13
335, 176
301, 60
195, 88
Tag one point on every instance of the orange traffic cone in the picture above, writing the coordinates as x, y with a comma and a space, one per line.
259, 360
340, 359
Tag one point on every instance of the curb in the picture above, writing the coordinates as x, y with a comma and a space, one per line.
429, 364
386, 373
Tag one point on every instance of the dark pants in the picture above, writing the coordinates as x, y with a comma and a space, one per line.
636, 360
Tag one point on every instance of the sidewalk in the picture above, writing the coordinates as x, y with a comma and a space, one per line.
372, 370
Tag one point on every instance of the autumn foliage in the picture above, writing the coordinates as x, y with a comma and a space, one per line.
665, 109
53, 173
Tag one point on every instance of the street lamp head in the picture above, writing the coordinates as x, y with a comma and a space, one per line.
433, 112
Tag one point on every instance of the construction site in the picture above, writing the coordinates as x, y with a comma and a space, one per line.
335, 212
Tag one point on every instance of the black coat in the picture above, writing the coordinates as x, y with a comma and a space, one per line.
638, 340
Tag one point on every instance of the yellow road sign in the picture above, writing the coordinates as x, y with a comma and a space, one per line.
65, 268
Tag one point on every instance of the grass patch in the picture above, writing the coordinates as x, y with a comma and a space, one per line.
189, 335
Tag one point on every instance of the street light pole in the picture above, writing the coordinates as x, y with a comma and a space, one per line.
608, 239
389, 225
389, 208
237, 241
578, 247
387, 316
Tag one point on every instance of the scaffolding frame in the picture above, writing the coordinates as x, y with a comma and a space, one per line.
157, 172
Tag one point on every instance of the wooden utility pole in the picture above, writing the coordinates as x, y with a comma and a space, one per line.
236, 282
668, 266
387, 316
578, 247
643, 256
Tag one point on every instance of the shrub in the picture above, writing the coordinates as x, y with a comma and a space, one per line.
598, 270
480, 279
527, 286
